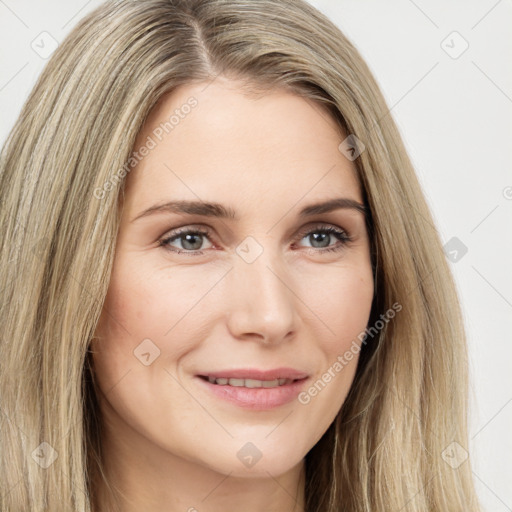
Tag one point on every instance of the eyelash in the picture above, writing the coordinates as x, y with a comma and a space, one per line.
340, 234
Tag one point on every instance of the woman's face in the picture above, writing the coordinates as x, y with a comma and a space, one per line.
266, 295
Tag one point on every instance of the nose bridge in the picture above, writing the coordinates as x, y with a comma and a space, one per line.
261, 301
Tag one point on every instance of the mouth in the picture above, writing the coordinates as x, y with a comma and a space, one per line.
248, 383
254, 389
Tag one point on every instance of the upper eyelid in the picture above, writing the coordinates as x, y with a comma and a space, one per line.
207, 230
321, 225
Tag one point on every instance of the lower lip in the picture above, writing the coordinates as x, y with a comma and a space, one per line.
259, 399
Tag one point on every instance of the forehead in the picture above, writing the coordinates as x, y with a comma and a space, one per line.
212, 141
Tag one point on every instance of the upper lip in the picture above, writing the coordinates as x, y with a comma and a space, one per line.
257, 374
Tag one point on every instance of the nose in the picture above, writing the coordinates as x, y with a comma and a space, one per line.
261, 303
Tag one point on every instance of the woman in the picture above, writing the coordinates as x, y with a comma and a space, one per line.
224, 289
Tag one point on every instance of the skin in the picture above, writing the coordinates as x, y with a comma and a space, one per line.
170, 445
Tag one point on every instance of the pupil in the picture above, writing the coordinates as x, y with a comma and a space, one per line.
187, 240
317, 236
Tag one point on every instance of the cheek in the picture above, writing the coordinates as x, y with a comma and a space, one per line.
138, 304
145, 311
127, 321
343, 299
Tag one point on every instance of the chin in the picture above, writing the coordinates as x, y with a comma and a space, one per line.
254, 460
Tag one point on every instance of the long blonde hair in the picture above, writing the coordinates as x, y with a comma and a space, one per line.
386, 449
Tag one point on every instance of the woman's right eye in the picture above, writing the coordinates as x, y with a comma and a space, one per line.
191, 241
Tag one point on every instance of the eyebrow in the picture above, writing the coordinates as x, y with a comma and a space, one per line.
209, 209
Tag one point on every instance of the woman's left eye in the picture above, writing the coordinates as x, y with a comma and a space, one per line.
326, 234
192, 239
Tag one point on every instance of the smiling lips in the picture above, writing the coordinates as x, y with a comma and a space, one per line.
255, 389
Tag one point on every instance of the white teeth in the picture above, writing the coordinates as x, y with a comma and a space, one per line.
253, 383
250, 383
236, 382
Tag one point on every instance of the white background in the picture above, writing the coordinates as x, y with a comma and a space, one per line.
455, 115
